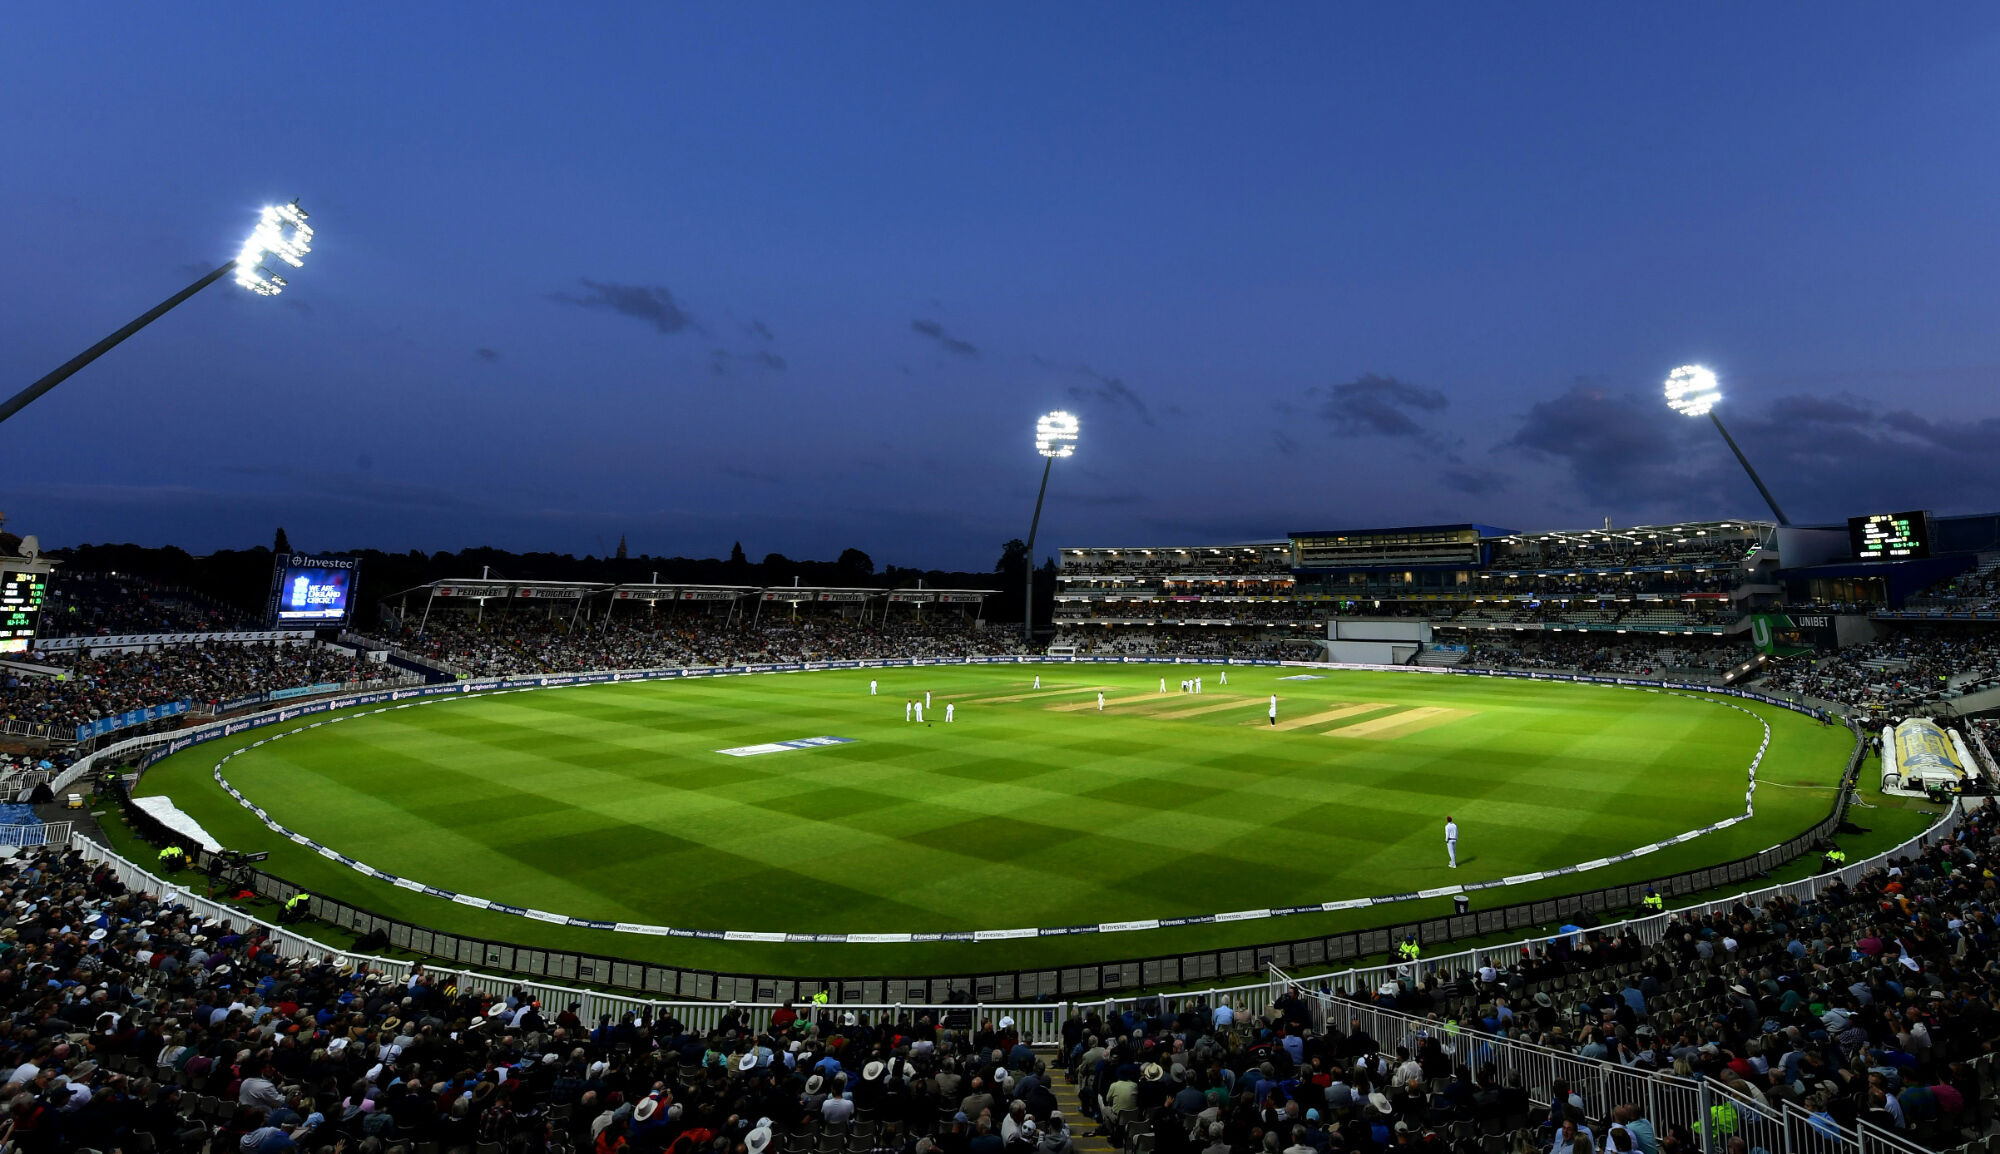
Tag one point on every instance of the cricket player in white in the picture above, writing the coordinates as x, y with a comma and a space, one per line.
1038, 681
948, 707
1163, 685
1197, 685
927, 699
1274, 709
907, 706
1451, 840
920, 710
1100, 703
871, 687
1225, 677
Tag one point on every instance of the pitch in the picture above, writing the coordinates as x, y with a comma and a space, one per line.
701, 804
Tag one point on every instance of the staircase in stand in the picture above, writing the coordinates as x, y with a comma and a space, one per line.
1079, 1124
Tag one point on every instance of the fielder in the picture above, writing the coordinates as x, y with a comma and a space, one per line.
871, 687
1274, 709
927, 699
920, 710
1100, 702
1197, 685
1451, 840
907, 705
1038, 681
948, 707
1225, 677
1163, 685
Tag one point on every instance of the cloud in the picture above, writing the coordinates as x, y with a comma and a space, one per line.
1378, 406
1285, 444
1838, 456
1473, 482
945, 340
1615, 447
720, 361
758, 331
1112, 391
653, 304
1825, 456
486, 354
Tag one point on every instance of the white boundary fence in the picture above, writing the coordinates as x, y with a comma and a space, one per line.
1040, 1024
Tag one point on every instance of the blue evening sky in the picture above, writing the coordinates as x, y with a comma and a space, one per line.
803, 275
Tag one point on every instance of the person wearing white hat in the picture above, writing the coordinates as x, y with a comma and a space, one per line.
758, 1140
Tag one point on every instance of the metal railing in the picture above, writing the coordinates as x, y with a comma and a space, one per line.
35, 833
1039, 1024
1713, 1113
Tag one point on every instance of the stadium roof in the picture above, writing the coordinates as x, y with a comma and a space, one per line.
1279, 543
490, 589
1484, 530
1641, 532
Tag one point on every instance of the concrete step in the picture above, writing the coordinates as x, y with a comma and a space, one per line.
1080, 1125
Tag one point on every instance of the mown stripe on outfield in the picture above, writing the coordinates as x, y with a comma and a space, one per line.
1196, 711
1402, 724
1032, 696
1335, 714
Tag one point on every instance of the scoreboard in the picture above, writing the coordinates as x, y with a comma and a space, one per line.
21, 594
1890, 536
312, 591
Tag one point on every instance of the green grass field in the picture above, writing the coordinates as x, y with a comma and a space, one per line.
610, 802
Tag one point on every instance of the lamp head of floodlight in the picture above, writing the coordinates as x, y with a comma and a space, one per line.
1055, 434
282, 232
1692, 391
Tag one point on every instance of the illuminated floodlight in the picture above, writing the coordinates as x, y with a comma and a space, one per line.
281, 232
1692, 391
1055, 434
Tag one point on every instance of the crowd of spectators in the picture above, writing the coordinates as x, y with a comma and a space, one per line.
1974, 591
523, 643
1872, 1001
79, 686
1189, 642
133, 1025
1639, 655
1904, 670
103, 604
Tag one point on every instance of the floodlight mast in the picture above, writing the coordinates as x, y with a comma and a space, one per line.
271, 238
1055, 436
1692, 391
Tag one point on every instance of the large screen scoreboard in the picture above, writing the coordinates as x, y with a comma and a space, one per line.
1890, 536
312, 592
21, 594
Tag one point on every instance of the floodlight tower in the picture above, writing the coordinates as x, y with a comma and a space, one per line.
281, 232
1692, 392
1055, 436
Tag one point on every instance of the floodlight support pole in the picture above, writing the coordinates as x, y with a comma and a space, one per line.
1028, 598
22, 399
1745, 462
